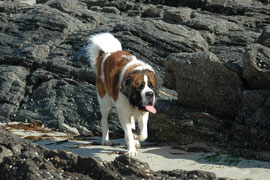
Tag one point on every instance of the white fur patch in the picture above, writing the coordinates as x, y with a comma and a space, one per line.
128, 57
143, 67
134, 61
102, 66
105, 42
145, 90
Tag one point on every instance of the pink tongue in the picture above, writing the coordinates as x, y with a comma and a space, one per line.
151, 109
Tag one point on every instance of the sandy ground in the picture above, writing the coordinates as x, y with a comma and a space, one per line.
158, 157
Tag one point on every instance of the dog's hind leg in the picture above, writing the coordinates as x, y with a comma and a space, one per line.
105, 104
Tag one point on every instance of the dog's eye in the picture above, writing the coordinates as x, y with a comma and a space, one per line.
128, 82
150, 85
140, 86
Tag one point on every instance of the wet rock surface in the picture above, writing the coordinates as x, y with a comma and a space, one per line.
20, 159
213, 57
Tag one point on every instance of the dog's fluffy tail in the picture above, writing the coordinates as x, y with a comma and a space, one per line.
101, 43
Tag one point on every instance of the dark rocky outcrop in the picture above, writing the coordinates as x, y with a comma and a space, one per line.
20, 159
256, 70
212, 55
204, 82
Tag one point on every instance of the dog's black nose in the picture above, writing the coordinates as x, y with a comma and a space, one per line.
149, 94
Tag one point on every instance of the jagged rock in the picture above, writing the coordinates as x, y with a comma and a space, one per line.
255, 113
233, 7
178, 15
29, 161
43, 28
152, 12
256, 69
231, 56
75, 7
202, 81
113, 10
212, 24
59, 102
12, 87
254, 99
42, 46
186, 127
13, 84
265, 36
190, 127
153, 40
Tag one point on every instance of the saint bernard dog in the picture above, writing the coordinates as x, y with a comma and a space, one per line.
128, 83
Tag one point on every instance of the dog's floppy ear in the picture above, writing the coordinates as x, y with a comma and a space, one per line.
159, 82
126, 87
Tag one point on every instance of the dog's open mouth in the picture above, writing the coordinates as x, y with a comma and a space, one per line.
149, 107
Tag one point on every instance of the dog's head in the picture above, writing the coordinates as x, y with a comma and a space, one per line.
141, 88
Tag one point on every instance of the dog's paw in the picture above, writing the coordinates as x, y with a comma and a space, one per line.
137, 136
107, 143
132, 153
142, 138
137, 144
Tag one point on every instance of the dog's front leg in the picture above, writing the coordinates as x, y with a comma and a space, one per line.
130, 140
142, 122
126, 124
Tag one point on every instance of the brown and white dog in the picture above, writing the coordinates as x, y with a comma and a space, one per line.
126, 82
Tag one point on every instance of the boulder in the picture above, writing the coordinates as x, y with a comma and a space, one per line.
256, 68
177, 15
203, 82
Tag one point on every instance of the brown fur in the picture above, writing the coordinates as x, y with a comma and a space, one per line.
112, 68
138, 78
151, 79
100, 85
129, 70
